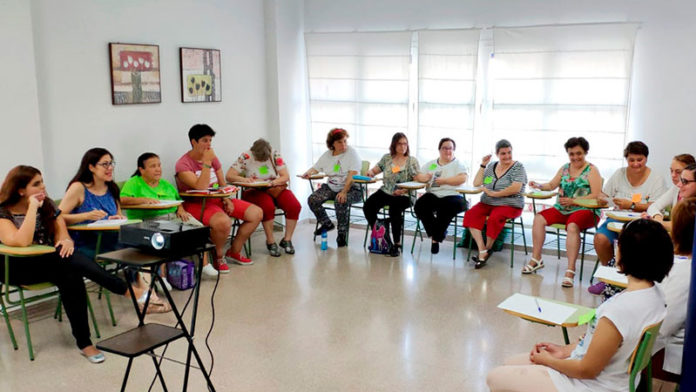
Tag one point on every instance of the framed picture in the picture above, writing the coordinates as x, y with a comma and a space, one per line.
135, 73
200, 75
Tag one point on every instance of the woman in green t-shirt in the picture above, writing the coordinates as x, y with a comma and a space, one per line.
147, 186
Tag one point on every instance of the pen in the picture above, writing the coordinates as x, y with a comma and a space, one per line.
537, 304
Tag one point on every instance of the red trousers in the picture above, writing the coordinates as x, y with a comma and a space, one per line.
497, 215
286, 201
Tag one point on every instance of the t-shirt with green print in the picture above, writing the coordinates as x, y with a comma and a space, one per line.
574, 187
393, 174
137, 187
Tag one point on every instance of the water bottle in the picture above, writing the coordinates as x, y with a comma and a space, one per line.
324, 244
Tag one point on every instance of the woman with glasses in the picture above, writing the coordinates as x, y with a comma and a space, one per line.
397, 166
91, 196
441, 202
671, 197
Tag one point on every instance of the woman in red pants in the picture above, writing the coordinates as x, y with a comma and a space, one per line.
502, 184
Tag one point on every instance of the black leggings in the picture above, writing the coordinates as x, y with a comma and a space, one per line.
436, 213
67, 274
397, 206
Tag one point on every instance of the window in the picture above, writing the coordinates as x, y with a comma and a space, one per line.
550, 83
536, 86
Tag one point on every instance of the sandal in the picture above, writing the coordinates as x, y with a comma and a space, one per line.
156, 305
479, 261
529, 268
568, 280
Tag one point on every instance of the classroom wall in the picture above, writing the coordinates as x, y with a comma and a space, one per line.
21, 127
74, 89
663, 108
287, 89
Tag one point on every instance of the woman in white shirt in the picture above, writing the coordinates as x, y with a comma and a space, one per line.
442, 202
340, 163
630, 188
599, 361
667, 363
671, 197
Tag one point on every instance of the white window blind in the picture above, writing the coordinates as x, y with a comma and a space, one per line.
446, 90
553, 82
360, 82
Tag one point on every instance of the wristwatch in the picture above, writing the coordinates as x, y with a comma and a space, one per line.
482, 166
633, 206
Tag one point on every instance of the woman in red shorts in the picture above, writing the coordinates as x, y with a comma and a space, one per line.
577, 179
201, 169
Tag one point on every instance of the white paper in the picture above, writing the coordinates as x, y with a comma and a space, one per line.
411, 184
618, 226
107, 222
610, 273
624, 214
169, 203
468, 188
552, 312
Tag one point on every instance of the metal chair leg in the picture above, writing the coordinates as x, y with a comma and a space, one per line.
25, 318
3, 309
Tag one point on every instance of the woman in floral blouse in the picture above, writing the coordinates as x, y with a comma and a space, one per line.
262, 163
397, 166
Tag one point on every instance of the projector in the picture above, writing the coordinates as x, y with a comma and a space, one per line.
165, 236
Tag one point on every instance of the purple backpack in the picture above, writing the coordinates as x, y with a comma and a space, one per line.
181, 274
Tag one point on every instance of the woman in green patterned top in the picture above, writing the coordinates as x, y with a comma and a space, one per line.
576, 180
398, 166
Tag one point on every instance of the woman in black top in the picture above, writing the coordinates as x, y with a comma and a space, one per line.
28, 216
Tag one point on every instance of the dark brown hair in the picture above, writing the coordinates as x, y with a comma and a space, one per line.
683, 216
19, 178
445, 140
395, 140
85, 176
577, 141
636, 148
645, 250
335, 134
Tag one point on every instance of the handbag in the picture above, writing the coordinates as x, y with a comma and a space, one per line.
275, 191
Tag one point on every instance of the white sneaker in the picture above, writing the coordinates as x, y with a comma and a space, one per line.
166, 284
209, 271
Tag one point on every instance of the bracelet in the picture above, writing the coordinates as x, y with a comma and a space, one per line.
482, 166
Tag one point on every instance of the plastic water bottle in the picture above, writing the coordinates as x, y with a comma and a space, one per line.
324, 244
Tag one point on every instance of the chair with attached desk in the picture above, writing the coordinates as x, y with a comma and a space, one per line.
509, 224
642, 357
6, 290
559, 229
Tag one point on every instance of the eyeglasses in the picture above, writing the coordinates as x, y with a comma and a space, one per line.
107, 165
684, 181
447, 148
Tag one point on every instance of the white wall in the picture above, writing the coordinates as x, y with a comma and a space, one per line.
663, 104
287, 89
20, 131
74, 89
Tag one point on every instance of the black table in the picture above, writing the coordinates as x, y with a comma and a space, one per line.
145, 338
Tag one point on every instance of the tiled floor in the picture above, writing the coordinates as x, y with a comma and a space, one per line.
336, 320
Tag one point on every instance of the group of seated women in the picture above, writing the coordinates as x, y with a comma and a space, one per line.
28, 216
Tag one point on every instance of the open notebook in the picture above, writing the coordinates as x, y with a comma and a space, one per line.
551, 312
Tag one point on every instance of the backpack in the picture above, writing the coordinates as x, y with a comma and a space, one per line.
380, 241
181, 273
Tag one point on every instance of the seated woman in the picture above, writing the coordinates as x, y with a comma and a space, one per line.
397, 166
598, 362
28, 216
91, 196
503, 184
262, 163
340, 163
146, 186
200, 168
631, 188
667, 363
577, 179
672, 196
441, 202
